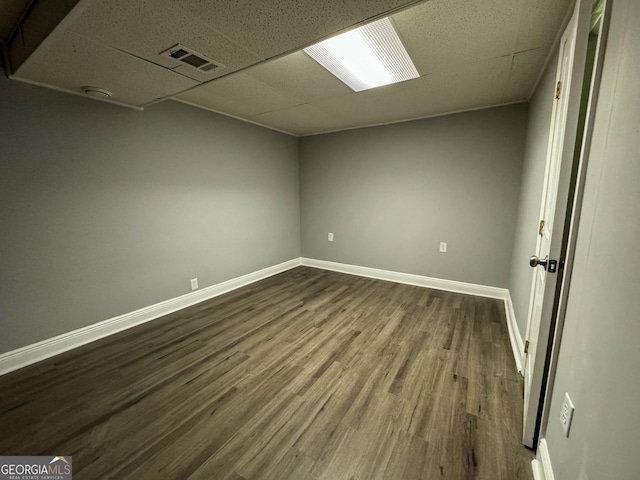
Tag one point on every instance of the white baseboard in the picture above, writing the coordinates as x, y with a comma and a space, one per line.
36, 352
439, 284
409, 279
536, 468
545, 460
517, 345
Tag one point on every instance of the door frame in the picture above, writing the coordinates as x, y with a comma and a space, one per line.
573, 222
580, 20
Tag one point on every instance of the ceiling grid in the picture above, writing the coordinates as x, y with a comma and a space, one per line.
469, 53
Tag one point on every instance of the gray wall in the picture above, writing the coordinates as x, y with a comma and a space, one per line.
390, 194
535, 157
599, 354
106, 210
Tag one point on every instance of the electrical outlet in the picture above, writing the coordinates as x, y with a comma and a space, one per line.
330, 237
194, 284
443, 247
566, 415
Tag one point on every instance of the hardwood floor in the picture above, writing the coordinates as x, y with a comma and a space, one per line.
309, 374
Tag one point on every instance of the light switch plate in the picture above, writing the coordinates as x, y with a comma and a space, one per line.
566, 415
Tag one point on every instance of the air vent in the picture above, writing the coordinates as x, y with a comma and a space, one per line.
192, 58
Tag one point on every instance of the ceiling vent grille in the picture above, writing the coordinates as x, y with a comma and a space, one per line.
192, 58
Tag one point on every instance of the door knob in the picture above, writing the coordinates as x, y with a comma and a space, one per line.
550, 266
535, 261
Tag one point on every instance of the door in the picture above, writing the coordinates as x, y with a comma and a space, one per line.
545, 229
600, 15
560, 154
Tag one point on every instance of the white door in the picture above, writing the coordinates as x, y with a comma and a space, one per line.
532, 372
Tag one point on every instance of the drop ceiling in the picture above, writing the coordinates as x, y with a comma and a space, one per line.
469, 54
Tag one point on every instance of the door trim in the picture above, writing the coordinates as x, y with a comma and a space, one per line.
580, 21
517, 344
571, 234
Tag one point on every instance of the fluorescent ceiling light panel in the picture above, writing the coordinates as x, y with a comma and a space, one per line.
367, 57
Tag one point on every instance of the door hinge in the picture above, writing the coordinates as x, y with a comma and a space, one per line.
526, 347
558, 89
541, 228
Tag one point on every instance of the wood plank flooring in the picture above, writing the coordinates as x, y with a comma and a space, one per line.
309, 374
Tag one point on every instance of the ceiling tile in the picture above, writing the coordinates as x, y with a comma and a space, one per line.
471, 53
525, 70
69, 61
480, 84
301, 120
117, 23
444, 35
300, 76
371, 8
195, 74
541, 33
273, 27
239, 95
